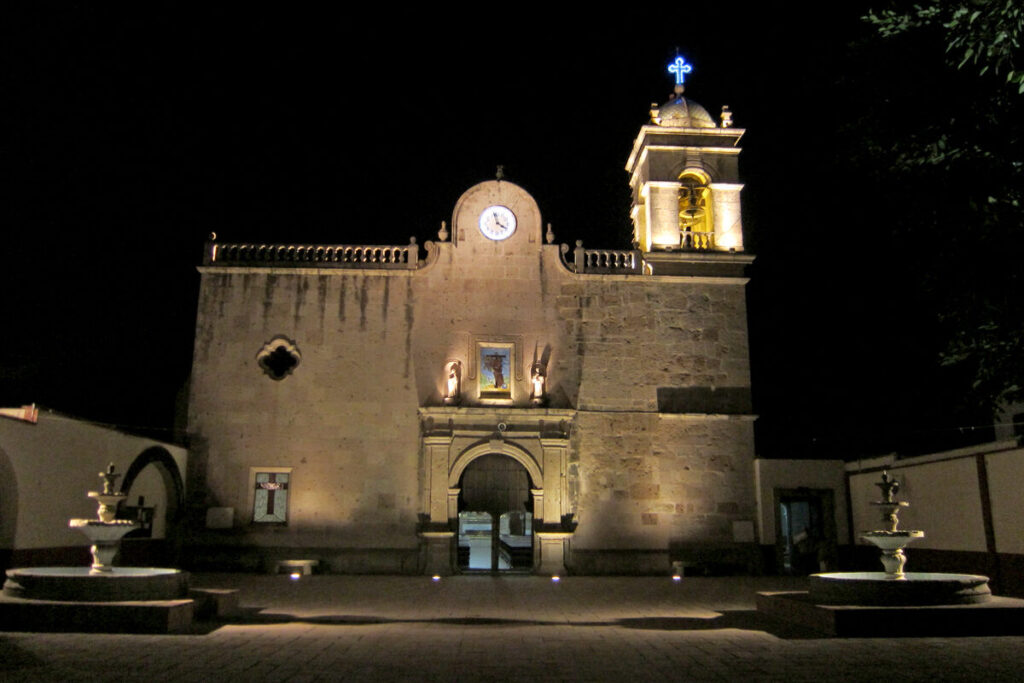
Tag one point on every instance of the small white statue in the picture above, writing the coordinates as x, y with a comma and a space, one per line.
538, 380
452, 387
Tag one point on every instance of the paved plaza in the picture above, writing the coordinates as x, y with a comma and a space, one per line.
512, 628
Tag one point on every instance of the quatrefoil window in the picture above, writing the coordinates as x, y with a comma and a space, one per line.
279, 357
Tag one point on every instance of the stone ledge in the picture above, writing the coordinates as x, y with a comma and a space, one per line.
158, 616
214, 603
999, 616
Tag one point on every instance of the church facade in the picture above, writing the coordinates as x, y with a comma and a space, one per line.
493, 401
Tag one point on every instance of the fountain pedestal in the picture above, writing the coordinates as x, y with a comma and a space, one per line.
892, 543
106, 541
891, 540
106, 532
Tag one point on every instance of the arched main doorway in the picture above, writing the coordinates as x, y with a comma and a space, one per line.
495, 516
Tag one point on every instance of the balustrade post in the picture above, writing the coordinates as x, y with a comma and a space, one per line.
414, 254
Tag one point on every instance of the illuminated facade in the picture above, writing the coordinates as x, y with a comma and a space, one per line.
494, 401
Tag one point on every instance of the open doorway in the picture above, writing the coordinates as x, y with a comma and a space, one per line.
495, 516
805, 531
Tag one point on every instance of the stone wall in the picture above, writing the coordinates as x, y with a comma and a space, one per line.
649, 481
345, 419
657, 366
632, 336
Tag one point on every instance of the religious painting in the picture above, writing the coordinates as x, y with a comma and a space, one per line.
495, 374
270, 497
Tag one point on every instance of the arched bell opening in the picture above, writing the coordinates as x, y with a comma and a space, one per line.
696, 223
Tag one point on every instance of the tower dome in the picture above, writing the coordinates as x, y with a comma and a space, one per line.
680, 112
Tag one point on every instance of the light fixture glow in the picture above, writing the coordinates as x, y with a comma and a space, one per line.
436, 577
676, 577
295, 576
555, 578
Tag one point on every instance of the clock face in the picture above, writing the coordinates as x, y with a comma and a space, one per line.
497, 222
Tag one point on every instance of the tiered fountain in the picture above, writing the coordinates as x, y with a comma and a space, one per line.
891, 540
100, 582
107, 531
894, 586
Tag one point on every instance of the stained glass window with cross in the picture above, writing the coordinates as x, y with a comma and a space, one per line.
270, 499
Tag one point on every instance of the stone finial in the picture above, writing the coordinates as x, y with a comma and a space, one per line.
442, 234
550, 235
500, 173
726, 117
889, 487
109, 479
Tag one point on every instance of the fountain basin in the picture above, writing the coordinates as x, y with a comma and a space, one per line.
98, 531
914, 588
81, 584
892, 540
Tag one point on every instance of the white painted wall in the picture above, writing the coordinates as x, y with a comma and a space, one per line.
1005, 474
49, 468
944, 493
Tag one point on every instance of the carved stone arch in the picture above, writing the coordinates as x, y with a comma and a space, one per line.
501, 447
697, 170
163, 513
169, 472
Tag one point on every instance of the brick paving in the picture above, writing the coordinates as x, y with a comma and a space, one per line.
479, 628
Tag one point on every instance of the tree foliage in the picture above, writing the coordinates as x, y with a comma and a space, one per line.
985, 34
960, 163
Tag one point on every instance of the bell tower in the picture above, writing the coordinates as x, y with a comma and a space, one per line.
683, 173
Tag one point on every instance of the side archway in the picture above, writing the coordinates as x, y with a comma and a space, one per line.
167, 469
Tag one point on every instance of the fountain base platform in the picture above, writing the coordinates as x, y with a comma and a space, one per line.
150, 616
123, 600
997, 616
913, 589
81, 584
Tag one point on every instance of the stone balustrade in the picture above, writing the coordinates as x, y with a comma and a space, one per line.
313, 255
604, 261
697, 241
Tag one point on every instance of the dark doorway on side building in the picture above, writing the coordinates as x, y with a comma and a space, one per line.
805, 533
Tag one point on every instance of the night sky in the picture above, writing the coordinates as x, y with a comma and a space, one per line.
135, 132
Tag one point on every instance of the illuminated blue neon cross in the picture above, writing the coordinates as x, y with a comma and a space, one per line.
680, 68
